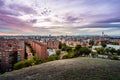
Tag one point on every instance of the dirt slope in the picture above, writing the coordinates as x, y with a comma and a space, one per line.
69, 69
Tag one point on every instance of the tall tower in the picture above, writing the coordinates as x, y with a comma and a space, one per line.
103, 36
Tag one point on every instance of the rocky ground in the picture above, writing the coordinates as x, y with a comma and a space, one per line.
69, 69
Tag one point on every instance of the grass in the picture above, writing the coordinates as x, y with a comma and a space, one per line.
69, 69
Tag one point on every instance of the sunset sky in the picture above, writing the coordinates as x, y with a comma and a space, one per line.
59, 17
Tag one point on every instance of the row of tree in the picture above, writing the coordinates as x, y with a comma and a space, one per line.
74, 52
107, 51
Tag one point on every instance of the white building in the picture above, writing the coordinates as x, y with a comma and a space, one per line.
51, 51
113, 46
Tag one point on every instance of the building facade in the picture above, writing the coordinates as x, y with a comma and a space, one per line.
11, 52
40, 49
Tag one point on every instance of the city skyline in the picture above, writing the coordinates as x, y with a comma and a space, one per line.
59, 17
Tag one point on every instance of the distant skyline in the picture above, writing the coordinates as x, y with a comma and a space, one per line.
59, 17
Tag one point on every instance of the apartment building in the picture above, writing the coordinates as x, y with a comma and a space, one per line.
11, 51
40, 49
53, 44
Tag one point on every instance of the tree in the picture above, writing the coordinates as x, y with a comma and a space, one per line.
77, 51
103, 44
114, 43
25, 55
77, 47
69, 55
100, 50
112, 50
85, 51
114, 57
91, 42
68, 49
58, 52
64, 47
118, 52
107, 50
94, 54
60, 45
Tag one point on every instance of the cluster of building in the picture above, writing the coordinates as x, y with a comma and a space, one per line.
44, 47
83, 41
11, 51
86, 41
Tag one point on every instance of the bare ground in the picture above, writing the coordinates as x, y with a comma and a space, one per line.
69, 69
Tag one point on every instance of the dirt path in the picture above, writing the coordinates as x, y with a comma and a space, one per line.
29, 53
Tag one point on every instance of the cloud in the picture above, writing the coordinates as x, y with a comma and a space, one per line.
11, 20
8, 12
101, 25
59, 16
22, 8
112, 20
33, 21
1, 3
72, 19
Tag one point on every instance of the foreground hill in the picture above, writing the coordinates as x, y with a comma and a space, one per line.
70, 69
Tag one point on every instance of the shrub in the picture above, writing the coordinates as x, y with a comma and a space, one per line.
23, 64
58, 52
68, 49
53, 57
29, 62
94, 54
37, 60
100, 50
69, 55
19, 65
114, 57
118, 52
82, 51
65, 56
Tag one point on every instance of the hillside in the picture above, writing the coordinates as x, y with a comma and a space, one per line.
69, 69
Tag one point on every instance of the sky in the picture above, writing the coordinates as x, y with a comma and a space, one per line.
59, 17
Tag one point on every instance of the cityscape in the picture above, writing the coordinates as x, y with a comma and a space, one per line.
59, 40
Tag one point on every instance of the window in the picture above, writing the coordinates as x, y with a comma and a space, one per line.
0, 57
18, 57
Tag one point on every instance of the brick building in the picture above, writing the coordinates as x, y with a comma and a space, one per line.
40, 49
11, 51
53, 44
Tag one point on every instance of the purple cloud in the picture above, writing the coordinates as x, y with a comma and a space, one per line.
100, 25
47, 20
8, 12
72, 18
33, 21
1, 3
12, 21
22, 8
112, 20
